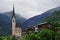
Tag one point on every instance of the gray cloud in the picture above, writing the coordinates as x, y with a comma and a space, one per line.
28, 8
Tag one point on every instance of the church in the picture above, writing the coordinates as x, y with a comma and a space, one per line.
16, 30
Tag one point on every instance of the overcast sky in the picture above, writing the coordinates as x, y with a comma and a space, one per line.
28, 8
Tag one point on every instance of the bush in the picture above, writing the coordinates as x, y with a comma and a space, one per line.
44, 34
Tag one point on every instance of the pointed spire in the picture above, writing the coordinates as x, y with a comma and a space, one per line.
13, 12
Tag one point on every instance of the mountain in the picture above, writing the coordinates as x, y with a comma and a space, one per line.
37, 19
5, 22
54, 18
18, 16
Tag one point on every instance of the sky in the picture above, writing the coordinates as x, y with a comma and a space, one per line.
28, 8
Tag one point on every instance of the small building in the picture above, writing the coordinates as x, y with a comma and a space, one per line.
40, 26
18, 31
32, 28
45, 25
36, 29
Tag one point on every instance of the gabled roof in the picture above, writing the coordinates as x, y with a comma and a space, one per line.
18, 25
44, 23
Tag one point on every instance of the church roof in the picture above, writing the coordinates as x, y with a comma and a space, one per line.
18, 25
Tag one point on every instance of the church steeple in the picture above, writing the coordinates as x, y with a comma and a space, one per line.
16, 31
13, 15
13, 21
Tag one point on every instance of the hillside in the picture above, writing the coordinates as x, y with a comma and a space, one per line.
37, 19
54, 19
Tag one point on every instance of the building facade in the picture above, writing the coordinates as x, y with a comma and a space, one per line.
16, 31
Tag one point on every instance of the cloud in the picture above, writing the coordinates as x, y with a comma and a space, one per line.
28, 8
30, 14
5, 5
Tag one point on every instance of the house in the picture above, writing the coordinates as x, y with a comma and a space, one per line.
40, 26
45, 25
32, 28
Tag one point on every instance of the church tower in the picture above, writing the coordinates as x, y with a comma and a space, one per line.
16, 30
13, 22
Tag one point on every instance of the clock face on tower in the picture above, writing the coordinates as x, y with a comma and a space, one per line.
13, 20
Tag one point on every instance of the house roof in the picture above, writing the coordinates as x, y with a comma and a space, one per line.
44, 23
